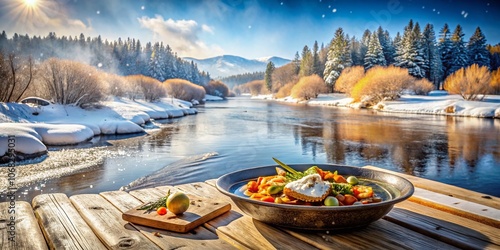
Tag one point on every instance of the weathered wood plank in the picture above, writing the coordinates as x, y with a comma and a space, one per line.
449, 190
19, 228
106, 222
380, 234
477, 212
455, 230
199, 238
61, 224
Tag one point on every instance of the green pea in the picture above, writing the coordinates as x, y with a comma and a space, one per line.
331, 201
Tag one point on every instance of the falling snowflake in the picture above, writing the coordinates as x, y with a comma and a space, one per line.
423, 7
463, 12
439, 12
323, 16
281, 3
98, 12
249, 26
142, 7
334, 10
99, 65
433, 9
466, 14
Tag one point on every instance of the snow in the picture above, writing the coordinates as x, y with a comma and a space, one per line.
436, 103
213, 98
34, 127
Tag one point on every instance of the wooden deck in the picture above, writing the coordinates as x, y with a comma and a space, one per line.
437, 216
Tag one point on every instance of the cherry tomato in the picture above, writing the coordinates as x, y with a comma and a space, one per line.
252, 186
267, 198
362, 192
161, 210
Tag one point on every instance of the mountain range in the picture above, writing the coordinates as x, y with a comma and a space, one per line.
228, 65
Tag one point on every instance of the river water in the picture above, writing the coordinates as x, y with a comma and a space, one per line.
243, 133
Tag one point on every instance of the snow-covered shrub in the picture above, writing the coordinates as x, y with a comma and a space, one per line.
495, 82
217, 88
285, 90
348, 78
184, 90
309, 87
471, 83
381, 83
421, 86
70, 82
151, 88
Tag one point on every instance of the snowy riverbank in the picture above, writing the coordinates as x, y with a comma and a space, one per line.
436, 103
33, 128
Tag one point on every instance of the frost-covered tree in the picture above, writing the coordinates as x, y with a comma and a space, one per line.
397, 47
410, 51
445, 49
478, 53
459, 57
386, 43
375, 54
339, 58
365, 42
157, 63
431, 56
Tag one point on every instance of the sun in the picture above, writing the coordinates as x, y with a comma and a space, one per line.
30, 3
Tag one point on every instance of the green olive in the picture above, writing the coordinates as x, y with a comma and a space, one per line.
352, 180
331, 201
274, 189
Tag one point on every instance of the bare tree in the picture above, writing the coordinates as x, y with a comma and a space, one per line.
16, 76
70, 82
151, 88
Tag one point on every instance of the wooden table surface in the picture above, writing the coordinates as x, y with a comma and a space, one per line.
437, 216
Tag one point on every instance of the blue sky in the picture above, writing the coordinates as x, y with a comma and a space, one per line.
247, 28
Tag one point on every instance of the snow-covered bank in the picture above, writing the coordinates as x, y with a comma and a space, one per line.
436, 103
32, 128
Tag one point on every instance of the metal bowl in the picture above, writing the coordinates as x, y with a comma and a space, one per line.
392, 188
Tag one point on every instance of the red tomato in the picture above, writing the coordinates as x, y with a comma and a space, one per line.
349, 199
259, 180
267, 198
362, 192
252, 186
161, 210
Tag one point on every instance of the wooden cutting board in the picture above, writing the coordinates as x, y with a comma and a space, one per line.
200, 211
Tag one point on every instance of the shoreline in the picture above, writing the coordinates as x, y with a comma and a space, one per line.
437, 103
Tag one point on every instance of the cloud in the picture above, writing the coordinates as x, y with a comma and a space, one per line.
183, 36
47, 16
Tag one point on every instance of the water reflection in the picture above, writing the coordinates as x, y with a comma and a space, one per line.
247, 133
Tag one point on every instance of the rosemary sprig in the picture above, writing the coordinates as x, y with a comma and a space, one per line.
156, 204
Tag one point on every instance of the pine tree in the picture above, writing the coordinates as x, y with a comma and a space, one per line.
478, 53
431, 56
365, 42
397, 47
458, 51
445, 49
410, 54
268, 76
316, 68
306, 64
355, 48
339, 58
375, 54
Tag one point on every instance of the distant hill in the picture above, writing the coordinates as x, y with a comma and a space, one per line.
228, 65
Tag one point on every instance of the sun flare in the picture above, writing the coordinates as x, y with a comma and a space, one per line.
30, 3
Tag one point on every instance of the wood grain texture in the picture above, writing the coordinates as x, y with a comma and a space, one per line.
199, 238
61, 224
106, 222
449, 190
20, 225
200, 210
447, 227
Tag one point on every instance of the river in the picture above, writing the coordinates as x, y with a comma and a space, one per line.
243, 133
